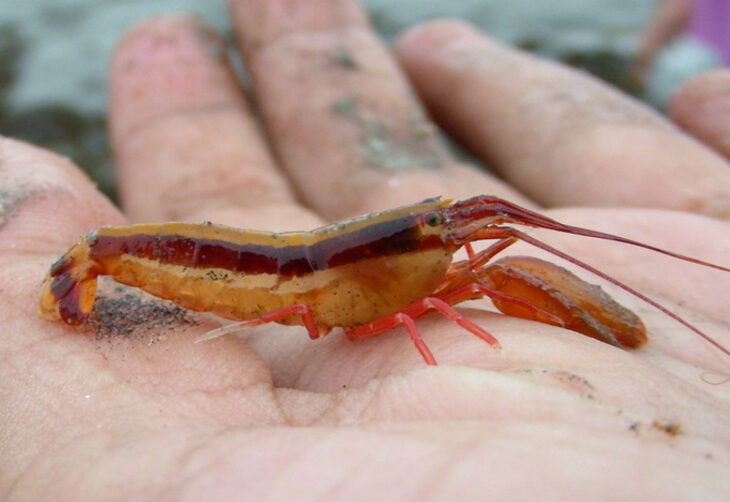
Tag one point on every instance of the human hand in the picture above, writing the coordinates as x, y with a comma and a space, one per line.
272, 414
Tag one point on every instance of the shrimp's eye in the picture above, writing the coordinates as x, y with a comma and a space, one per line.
434, 220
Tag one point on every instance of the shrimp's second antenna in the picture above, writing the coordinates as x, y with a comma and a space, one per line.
366, 275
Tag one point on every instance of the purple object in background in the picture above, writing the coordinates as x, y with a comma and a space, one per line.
710, 24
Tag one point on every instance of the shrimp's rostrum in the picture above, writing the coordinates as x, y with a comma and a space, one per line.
366, 275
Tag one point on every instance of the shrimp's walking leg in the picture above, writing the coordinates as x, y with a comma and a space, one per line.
393, 321
297, 309
405, 318
410, 325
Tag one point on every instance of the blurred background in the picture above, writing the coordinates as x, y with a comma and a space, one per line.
54, 55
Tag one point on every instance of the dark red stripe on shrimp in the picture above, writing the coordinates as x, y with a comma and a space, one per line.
383, 239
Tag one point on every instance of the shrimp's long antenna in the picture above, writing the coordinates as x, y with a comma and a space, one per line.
486, 206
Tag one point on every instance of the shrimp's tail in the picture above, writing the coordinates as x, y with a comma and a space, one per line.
69, 288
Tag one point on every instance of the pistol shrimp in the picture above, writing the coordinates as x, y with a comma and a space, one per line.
366, 275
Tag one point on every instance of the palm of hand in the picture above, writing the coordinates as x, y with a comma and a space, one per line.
282, 416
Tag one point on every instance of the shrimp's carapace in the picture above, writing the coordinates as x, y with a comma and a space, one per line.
366, 275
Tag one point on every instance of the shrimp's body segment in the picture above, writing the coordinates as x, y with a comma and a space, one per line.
366, 275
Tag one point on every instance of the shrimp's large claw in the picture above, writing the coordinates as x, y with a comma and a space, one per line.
581, 306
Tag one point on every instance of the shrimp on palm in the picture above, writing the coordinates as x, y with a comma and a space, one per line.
366, 275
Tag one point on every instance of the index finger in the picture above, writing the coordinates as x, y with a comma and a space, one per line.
186, 145
559, 135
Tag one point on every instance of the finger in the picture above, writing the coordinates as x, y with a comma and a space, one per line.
45, 201
186, 145
702, 107
340, 115
558, 135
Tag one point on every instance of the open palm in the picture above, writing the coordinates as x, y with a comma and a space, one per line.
270, 415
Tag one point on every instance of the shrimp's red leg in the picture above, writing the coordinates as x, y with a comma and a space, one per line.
297, 309
393, 321
410, 325
476, 260
389, 322
405, 318
449, 312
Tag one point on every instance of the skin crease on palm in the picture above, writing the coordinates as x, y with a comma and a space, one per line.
272, 415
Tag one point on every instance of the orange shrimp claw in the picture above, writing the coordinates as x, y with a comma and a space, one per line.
580, 306
539, 244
